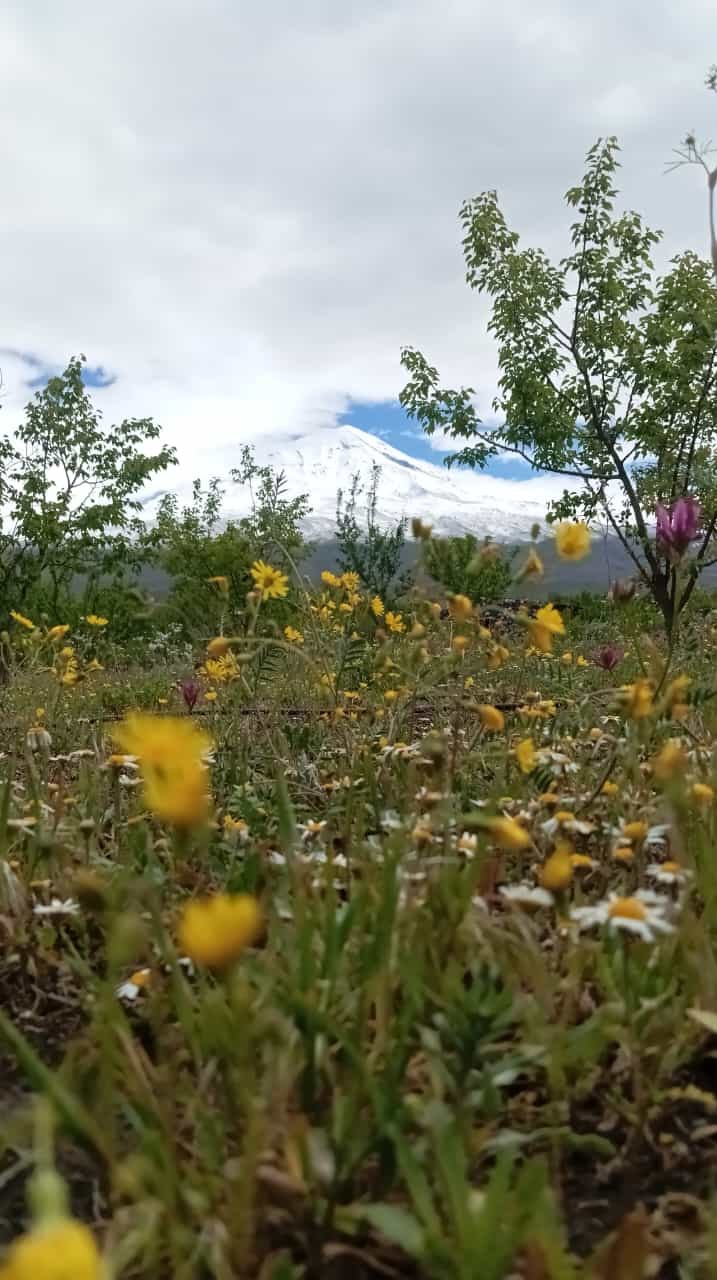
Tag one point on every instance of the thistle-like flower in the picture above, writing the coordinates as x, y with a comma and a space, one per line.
678, 526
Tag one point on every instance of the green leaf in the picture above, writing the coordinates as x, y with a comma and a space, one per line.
396, 1224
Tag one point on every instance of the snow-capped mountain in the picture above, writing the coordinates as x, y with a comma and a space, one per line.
455, 501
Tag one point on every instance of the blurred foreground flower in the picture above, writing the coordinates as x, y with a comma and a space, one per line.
271, 583
636, 699
461, 607
532, 568
546, 624
526, 756
491, 718
508, 834
22, 620
64, 1250
214, 931
622, 590
572, 540
172, 758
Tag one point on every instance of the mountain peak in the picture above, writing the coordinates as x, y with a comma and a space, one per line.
321, 462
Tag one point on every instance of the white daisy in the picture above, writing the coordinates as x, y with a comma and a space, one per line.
135, 984
526, 895
668, 873
643, 914
468, 844
57, 908
576, 826
311, 829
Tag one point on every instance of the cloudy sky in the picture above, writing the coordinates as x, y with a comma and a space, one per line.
241, 210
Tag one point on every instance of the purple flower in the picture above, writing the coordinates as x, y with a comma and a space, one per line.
190, 691
678, 527
608, 656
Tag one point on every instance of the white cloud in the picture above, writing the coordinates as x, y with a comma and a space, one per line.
245, 210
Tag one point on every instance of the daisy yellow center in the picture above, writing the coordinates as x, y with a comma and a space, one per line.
627, 909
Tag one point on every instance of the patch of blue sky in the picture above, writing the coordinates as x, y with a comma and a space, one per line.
39, 371
388, 420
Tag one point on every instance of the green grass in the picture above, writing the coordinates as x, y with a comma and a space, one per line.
409, 1074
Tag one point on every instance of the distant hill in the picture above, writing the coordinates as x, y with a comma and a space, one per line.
607, 561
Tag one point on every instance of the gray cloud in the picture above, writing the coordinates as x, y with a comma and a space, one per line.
244, 210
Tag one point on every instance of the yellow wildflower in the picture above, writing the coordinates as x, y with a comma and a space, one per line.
377, 607
62, 1250
171, 751
557, 872
566, 657
96, 620
549, 798
670, 761
509, 834
491, 718
496, 656
546, 624
271, 583
533, 567
635, 831
293, 636
214, 931
235, 826
526, 756
210, 695
459, 644
395, 623
221, 582
330, 579
637, 698
218, 647
581, 860
22, 620
350, 581
461, 608
56, 633
623, 853
421, 530
675, 698
627, 909
572, 540
220, 670
609, 788
702, 794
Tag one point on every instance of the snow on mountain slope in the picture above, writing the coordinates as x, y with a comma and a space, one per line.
321, 462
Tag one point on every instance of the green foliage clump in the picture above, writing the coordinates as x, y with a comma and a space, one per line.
69, 497
608, 374
197, 544
459, 566
367, 549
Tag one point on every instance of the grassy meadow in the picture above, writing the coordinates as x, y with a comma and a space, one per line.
360, 940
